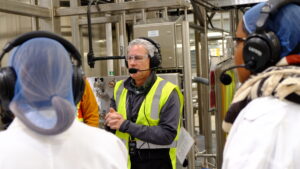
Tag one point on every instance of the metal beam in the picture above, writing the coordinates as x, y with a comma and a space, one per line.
143, 4
108, 19
124, 6
76, 31
188, 104
99, 20
234, 3
19, 8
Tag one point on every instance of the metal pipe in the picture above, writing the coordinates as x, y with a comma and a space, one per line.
90, 55
197, 27
143, 15
204, 89
165, 13
222, 27
108, 58
201, 28
201, 80
188, 89
198, 63
109, 50
205, 155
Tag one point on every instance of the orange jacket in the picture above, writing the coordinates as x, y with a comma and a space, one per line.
88, 108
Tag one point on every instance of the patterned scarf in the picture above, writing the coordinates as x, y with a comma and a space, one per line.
281, 81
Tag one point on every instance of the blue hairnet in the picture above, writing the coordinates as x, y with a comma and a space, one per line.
43, 98
285, 24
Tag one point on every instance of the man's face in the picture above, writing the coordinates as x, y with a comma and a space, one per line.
243, 73
137, 58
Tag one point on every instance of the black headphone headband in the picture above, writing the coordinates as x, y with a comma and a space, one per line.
38, 34
156, 45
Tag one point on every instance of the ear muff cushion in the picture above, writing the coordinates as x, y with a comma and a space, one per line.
155, 61
7, 86
275, 47
6, 117
126, 63
257, 53
78, 84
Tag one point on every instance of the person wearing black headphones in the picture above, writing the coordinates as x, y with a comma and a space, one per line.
44, 132
87, 107
146, 109
263, 119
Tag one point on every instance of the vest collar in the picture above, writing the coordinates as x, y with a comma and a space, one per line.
129, 84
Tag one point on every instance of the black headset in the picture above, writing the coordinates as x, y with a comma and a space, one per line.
8, 75
78, 83
155, 60
262, 48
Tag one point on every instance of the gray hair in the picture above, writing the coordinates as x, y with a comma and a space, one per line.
147, 45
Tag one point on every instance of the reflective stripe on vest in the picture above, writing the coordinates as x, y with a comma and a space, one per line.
118, 94
79, 112
123, 141
155, 103
145, 145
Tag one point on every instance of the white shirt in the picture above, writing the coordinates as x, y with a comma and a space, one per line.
266, 135
79, 147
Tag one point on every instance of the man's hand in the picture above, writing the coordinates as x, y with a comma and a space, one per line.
113, 119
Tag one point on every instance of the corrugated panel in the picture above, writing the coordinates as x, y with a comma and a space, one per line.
228, 3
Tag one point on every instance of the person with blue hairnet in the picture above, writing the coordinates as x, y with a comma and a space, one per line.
44, 133
265, 111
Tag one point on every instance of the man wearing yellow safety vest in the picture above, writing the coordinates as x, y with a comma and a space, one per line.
146, 109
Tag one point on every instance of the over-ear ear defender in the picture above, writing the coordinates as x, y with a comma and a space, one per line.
262, 48
8, 76
78, 83
155, 60
7, 86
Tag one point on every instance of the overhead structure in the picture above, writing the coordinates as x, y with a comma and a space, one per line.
15, 7
234, 3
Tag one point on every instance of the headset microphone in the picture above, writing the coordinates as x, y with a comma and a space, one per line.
134, 70
226, 79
